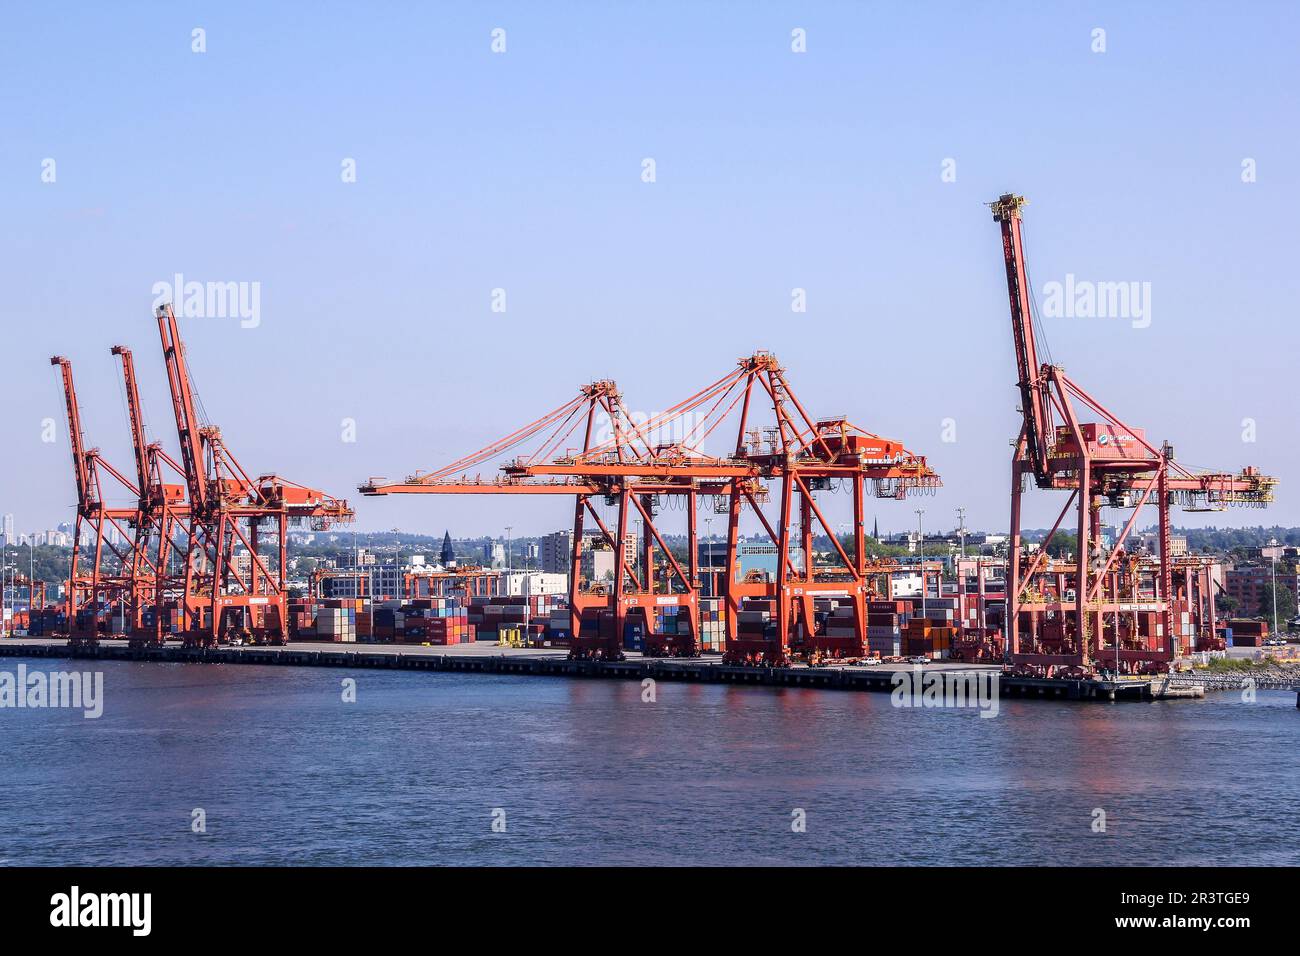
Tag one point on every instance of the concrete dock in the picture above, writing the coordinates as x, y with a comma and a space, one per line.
487, 658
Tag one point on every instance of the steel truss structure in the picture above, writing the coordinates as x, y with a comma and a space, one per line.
1069, 618
180, 563
632, 469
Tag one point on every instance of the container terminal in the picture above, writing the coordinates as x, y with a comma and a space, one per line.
196, 567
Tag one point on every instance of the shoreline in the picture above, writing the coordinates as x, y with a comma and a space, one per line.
545, 662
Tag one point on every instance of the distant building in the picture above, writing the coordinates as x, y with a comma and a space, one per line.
1246, 582
241, 563
1149, 541
366, 580
1268, 552
712, 555
934, 542
757, 555
528, 583
350, 558
598, 565
556, 552
448, 554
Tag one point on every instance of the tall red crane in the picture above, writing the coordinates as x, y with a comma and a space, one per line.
635, 471
161, 514
1060, 613
101, 589
228, 507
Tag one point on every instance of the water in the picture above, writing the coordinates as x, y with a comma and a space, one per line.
586, 773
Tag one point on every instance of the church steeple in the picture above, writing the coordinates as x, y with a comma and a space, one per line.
875, 528
448, 554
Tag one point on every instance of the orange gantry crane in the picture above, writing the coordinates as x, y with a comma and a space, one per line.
161, 511
227, 507
1098, 610
633, 470
176, 547
95, 595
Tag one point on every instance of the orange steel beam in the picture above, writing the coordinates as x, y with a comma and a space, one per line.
1061, 458
635, 462
227, 507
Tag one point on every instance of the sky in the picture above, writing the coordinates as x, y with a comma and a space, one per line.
855, 170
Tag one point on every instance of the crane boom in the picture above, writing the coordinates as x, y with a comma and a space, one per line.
187, 422
1074, 614
81, 465
138, 442
1033, 400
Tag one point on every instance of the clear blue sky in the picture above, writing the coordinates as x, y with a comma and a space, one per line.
522, 170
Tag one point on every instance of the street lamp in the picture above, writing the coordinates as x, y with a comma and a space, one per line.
9, 598
961, 529
508, 563
356, 567
920, 548
708, 532
638, 563
1272, 543
397, 566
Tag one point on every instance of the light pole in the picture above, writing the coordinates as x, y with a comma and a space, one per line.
708, 533
961, 529
397, 565
1272, 543
9, 598
640, 539
920, 548
356, 565
508, 564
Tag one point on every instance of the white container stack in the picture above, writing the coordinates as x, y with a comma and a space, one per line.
337, 624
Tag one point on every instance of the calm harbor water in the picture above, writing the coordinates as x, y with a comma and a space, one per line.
586, 773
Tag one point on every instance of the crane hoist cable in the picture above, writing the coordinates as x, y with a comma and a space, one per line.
1037, 313
121, 394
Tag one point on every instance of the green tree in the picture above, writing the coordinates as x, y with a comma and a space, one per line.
1063, 544
873, 547
1226, 604
1285, 603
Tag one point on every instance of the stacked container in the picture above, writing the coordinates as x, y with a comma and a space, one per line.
302, 620
441, 621
940, 611
713, 624
490, 614
885, 623
336, 621
928, 640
